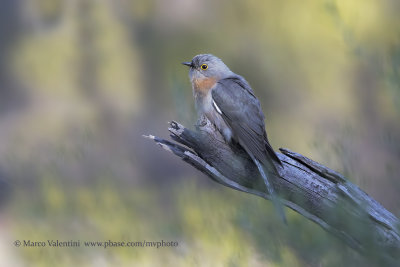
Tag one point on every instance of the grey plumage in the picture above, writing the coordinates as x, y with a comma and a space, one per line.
242, 110
229, 102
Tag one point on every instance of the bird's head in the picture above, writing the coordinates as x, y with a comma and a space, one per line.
207, 66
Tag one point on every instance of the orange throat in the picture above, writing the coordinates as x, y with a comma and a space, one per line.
203, 86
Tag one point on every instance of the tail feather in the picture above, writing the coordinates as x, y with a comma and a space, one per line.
274, 198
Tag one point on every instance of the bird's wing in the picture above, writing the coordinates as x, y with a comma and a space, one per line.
235, 101
242, 112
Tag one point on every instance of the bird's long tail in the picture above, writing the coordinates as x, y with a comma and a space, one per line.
274, 198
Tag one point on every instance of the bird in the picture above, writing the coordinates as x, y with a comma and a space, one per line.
229, 102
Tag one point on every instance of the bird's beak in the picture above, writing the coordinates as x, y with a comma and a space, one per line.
189, 64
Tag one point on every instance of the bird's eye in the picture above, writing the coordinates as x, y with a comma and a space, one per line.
204, 67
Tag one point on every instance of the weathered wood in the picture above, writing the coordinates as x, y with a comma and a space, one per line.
311, 189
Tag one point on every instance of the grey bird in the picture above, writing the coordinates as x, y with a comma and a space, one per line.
228, 101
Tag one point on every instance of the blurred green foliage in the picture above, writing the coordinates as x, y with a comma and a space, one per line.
213, 227
83, 80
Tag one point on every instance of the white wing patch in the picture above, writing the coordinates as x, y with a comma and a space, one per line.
216, 107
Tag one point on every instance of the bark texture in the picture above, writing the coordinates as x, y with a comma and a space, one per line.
311, 189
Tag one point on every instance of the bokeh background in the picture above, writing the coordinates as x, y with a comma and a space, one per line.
82, 80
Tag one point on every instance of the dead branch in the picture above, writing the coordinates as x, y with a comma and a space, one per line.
309, 188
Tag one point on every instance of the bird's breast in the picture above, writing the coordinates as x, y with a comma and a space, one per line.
204, 105
202, 93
